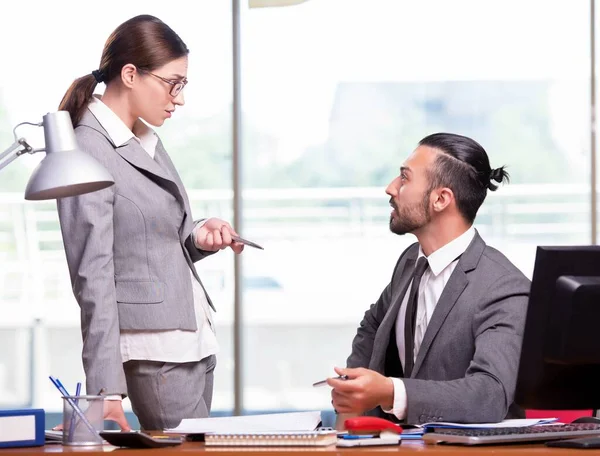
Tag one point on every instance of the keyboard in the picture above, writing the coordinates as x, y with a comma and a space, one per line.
540, 433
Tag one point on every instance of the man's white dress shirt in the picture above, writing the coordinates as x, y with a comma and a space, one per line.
441, 265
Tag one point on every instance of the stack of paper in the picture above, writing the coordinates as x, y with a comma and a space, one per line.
501, 424
53, 436
416, 432
295, 421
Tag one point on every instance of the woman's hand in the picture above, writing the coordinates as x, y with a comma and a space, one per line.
215, 234
113, 410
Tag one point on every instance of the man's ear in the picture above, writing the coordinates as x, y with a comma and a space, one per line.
441, 198
128, 74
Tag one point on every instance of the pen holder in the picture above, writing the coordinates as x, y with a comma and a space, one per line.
83, 419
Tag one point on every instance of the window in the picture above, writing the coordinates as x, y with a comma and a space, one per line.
336, 94
40, 317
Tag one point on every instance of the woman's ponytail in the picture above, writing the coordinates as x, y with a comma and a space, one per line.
78, 96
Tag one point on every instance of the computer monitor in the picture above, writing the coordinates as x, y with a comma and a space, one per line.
560, 358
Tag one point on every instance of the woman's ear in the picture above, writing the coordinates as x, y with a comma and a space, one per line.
128, 74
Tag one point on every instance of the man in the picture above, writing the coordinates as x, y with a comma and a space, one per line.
445, 346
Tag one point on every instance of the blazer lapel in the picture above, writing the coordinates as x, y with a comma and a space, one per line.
456, 284
135, 154
388, 324
164, 161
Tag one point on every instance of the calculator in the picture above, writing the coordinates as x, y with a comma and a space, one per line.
137, 439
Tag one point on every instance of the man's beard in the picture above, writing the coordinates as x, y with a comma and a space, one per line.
409, 219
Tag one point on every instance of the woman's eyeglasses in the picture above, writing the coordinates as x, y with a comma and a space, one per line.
176, 86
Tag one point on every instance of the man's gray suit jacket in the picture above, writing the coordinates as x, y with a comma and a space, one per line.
466, 368
129, 251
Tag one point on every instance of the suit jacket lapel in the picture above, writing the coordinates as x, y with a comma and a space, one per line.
165, 163
131, 151
163, 159
134, 153
456, 284
388, 324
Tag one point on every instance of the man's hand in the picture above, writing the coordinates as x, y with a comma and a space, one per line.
364, 390
113, 410
215, 234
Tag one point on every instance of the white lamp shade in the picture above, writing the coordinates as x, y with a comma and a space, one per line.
64, 171
63, 174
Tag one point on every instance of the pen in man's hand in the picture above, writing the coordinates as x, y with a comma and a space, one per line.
246, 242
324, 382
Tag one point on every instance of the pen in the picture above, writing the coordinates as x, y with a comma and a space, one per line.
76, 409
246, 242
59, 383
324, 382
72, 424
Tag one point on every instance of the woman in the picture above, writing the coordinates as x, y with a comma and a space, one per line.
145, 316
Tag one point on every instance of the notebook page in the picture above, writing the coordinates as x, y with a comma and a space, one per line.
293, 421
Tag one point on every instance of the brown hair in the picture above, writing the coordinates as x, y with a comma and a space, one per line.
144, 41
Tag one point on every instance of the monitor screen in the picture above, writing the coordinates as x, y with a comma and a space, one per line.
560, 358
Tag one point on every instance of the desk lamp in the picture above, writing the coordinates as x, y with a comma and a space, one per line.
65, 170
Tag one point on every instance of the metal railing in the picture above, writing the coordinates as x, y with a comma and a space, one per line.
31, 249
298, 225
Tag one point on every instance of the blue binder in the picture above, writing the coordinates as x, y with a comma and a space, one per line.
22, 428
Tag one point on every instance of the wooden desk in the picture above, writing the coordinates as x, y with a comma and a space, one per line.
413, 447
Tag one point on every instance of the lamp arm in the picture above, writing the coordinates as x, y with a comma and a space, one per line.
18, 148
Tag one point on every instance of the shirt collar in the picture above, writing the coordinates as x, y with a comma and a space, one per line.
118, 132
442, 257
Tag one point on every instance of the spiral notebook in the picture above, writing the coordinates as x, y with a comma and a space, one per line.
320, 437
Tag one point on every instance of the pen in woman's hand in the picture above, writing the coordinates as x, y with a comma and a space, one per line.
324, 382
241, 240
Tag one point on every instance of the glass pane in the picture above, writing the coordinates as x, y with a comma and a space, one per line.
15, 359
34, 281
336, 94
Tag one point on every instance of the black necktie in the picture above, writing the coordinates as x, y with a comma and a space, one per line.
411, 311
